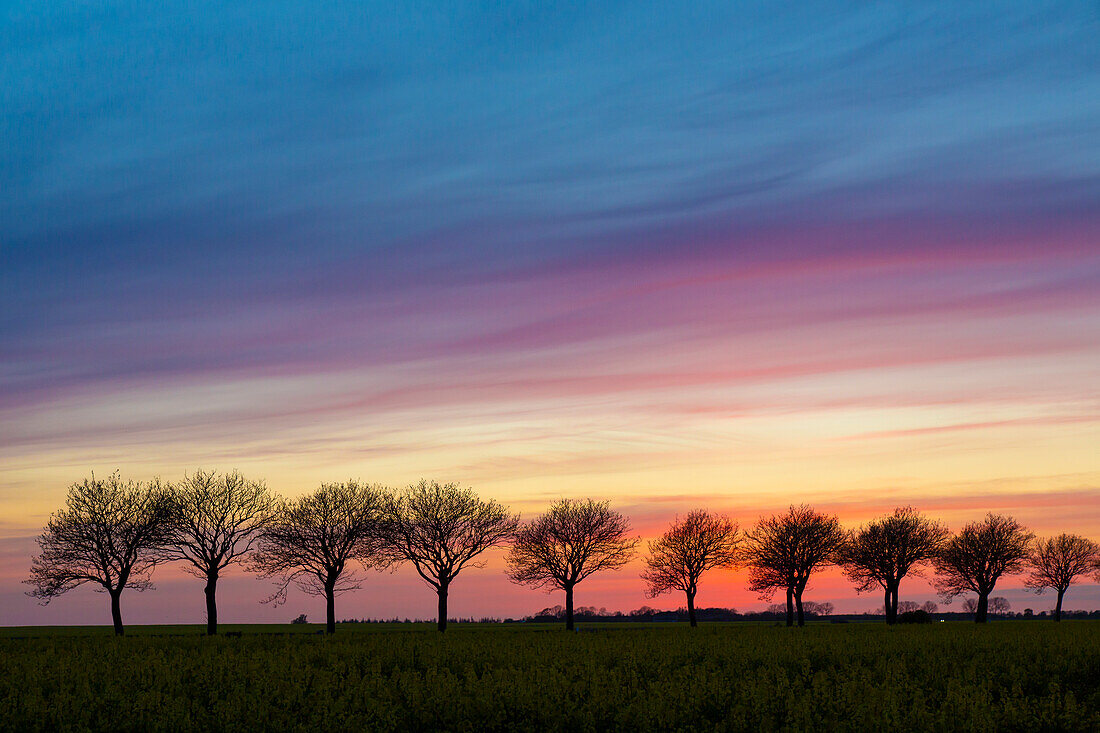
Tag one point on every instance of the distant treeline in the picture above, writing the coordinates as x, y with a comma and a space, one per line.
113, 533
649, 615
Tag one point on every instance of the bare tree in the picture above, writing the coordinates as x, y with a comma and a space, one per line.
571, 541
999, 605
783, 551
441, 529
970, 605
975, 558
882, 553
111, 533
215, 522
930, 607
699, 542
314, 539
908, 606
1057, 562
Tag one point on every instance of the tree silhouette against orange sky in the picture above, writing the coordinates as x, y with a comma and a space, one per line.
569, 542
784, 550
699, 542
978, 556
1057, 562
881, 553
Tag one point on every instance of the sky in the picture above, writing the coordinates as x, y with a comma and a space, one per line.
671, 255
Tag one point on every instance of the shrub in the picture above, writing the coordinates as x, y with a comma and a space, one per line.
915, 617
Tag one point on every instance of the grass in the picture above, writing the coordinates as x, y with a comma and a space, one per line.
1005, 676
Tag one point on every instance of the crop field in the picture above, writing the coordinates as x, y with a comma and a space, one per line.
1005, 676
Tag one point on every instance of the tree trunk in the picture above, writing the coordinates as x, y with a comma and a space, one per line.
442, 622
983, 606
889, 608
569, 608
116, 611
691, 610
790, 606
1058, 606
798, 605
330, 610
211, 604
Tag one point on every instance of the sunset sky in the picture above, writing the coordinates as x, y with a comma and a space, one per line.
709, 254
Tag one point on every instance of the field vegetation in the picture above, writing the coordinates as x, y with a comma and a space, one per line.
1009, 675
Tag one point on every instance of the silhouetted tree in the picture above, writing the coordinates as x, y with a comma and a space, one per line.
571, 541
1057, 562
975, 558
215, 521
313, 540
783, 551
699, 542
970, 605
907, 606
556, 612
930, 607
999, 605
111, 533
813, 608
441, 529
882, 553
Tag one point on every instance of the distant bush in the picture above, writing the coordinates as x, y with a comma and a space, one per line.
915, 617
301, 619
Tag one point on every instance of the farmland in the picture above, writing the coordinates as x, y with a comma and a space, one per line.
1008, 675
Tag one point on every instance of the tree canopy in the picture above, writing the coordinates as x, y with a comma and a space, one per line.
442, 529
699, 542
314, 540
216, 520
784, 550
1056, 562
975, 559
881, 553
569, 542
111, 533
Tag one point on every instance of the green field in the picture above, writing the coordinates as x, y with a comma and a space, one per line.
1004, 676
